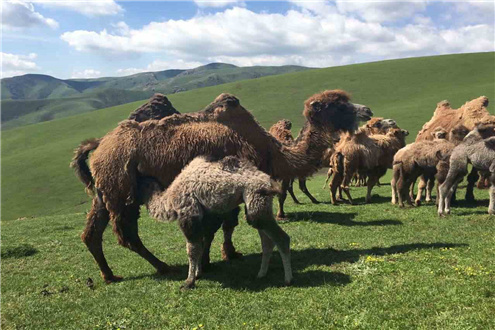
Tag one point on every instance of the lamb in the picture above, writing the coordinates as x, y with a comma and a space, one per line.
368, 155
426, 158
206, 186
477, 149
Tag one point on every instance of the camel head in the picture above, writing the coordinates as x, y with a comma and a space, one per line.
333, 109
380, 126
486, 130
398, 133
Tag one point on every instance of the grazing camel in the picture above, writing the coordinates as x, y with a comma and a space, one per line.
160, 149
369, 155
472, 113
205, 187
426, 158
478, 151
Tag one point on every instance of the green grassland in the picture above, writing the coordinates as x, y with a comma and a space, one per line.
37, 181
369, 266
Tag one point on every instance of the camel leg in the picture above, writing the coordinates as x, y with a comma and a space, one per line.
231, 220
304, 189
448, 188
267, 247
334, 185
291, 192
411, 190
329, 175
372, 180
281, 200
92, 236
471, 179
423, 182
282, 241
429, 188
491, 207
393, 183
194, 253
126, 228
193, 229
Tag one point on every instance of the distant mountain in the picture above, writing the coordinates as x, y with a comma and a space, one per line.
34, 98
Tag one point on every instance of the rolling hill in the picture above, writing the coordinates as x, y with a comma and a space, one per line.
34, 98
36, 178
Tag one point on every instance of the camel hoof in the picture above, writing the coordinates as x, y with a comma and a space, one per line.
289, 283
417, 203
113, 279
164, 269
229, 252
316, 202
187, 286
491, 212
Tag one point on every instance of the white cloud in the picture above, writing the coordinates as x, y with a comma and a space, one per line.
382, 11
86, 74
16, 65
160, 65
88, 8
20, 14
312, 36
219, 3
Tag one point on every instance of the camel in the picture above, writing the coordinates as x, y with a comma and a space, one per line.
477, 150
427, 158
369, 155
160, 149
281, 130
205, 187
472, 113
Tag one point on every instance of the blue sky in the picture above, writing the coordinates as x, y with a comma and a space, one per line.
86, 39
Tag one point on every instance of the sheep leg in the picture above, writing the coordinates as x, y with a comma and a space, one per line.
291, 191
194, 253
231, 220
126, 228
304, 189
282, 241
281, 200
92, 236
471, 179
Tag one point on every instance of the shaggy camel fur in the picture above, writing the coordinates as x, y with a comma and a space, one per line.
376, 125
478, 151
205, 187
472, 113
281, 130
426, 158
160, 149
369, 155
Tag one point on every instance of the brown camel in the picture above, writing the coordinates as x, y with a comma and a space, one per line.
160, 149
369, 155
469, 115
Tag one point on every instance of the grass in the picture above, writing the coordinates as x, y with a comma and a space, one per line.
355, 267
37, 181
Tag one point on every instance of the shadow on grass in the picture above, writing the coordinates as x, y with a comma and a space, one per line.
241, 274
17, 252
342, 219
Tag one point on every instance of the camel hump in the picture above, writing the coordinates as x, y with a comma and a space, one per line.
157, 107
443, 104
484, 100
227, 98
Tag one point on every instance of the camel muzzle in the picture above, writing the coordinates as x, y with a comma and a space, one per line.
363, 112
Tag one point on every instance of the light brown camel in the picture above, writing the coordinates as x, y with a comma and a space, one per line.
160, 149
204, 187
469, 115
427, 158
370, 155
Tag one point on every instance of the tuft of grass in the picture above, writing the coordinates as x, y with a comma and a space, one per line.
19, 251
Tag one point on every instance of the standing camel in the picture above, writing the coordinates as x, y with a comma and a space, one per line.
160, 149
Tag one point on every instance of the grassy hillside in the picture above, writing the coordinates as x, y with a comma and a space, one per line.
36, 98
36, 179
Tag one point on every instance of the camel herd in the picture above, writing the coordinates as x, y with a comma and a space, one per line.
197, 168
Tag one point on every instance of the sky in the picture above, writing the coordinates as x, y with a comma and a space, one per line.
89, 39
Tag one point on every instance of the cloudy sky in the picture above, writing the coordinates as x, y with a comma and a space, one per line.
86, 39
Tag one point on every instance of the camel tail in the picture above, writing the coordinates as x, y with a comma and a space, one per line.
275, 189
80, 165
